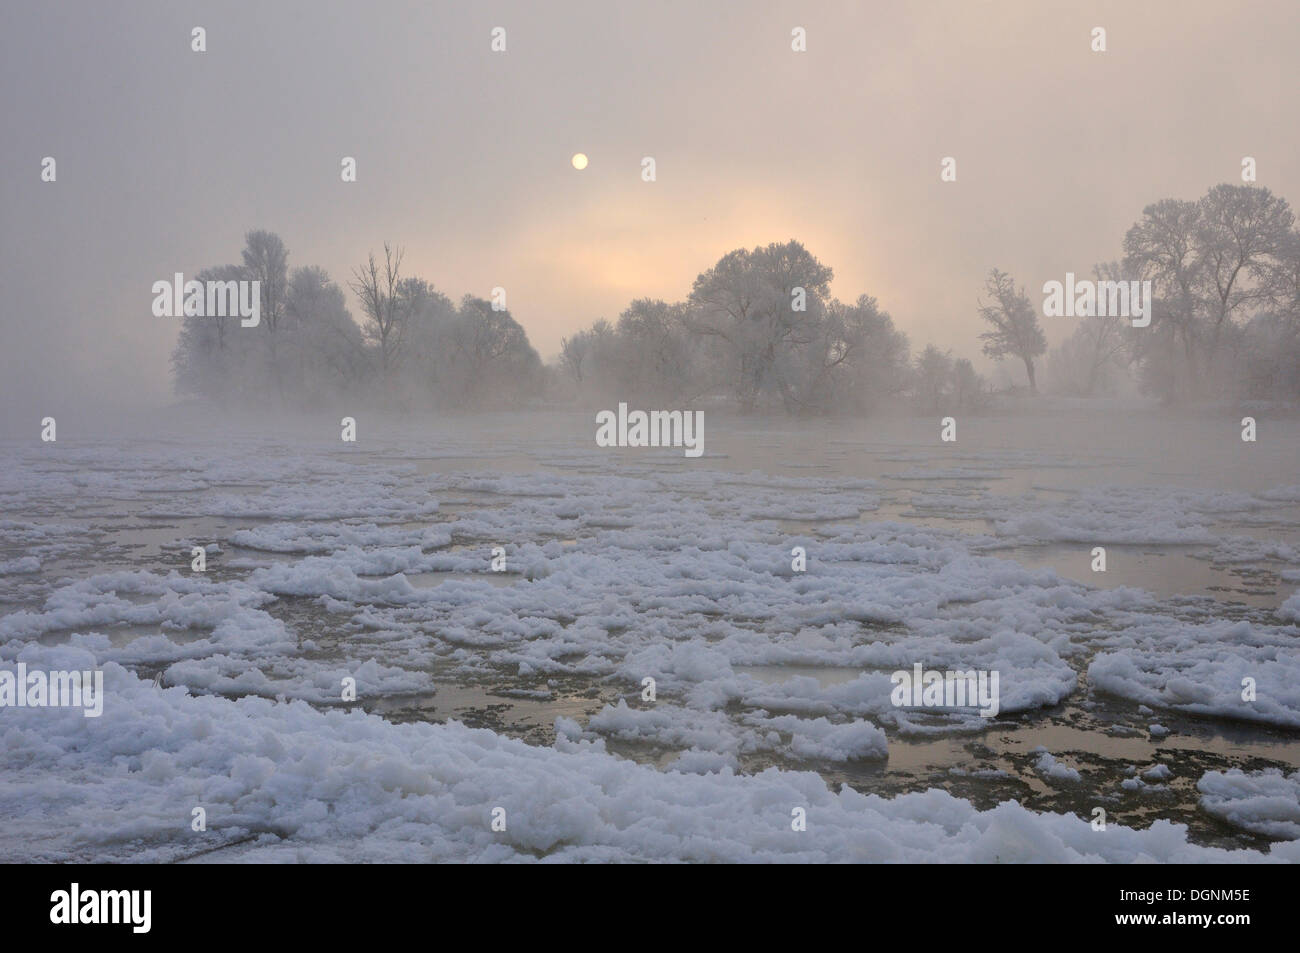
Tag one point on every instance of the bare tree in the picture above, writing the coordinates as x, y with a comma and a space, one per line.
381, 303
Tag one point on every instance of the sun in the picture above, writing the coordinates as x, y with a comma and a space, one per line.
579, 161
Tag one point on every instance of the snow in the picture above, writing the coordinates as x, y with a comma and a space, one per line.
1262, 802
773, 685
1050, 768
306, 784
1200, 669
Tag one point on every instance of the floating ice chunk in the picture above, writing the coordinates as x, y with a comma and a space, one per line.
1049, 767
335, 785
1263, 802
22, 565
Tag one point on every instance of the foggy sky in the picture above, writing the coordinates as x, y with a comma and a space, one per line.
167, 157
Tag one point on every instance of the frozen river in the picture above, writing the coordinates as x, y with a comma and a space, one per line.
371, 563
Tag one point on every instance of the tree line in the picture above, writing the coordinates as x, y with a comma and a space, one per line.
761, 331
1225, 324
413, 347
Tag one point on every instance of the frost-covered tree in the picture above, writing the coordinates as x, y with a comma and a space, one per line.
650, 352
1016, 331
592, 359
759, 327
757, 305
1214, 264
573, 351
266, 260
854, 358
328, 355
1242, 229
941, 384
211, 358
427, 316
1093, 358
969, 389
486, 358
933, 379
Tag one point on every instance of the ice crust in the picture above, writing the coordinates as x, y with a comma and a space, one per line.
615, 574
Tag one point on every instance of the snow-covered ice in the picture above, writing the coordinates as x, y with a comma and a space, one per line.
524, 689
